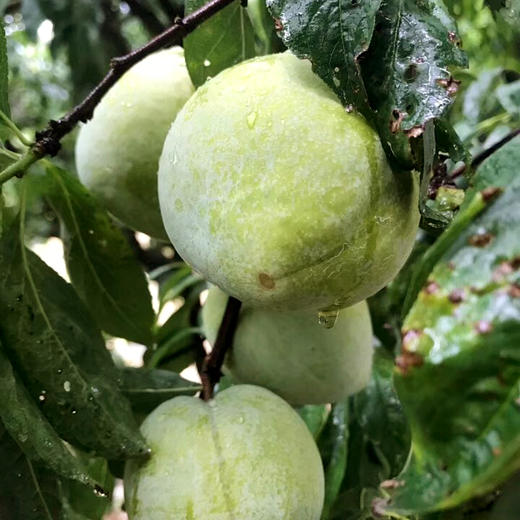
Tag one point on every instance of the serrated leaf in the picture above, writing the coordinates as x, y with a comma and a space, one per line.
336, 437
147, 389
57, 349
26, 491
226, 39
459, 377
101, 263
333, 34
4, 74
33, 433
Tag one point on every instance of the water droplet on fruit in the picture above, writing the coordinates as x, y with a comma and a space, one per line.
327, 319
207, 63
251, 119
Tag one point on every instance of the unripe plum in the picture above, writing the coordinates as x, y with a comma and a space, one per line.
292, 355
243, 455
117, 152
274, 192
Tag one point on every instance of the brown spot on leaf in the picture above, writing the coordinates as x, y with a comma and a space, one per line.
451, 85
480, 239
515, 263
497, 451
415, 131
266, 281
457, 296
483, 327
454, 39
408, 360
488, 194
504, 269
278, 25
514, 290
395, 125
432, 287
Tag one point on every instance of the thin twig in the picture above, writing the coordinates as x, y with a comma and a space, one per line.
48, 140
482, 156
211, 369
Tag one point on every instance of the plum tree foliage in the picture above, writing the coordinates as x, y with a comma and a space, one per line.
289, 150
292, 354
117, 152
293, 204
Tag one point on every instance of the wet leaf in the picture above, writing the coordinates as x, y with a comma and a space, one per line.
101, 263
226, 39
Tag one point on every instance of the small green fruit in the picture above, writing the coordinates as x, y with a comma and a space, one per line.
244, 455
292, 355
117, 152
276, 194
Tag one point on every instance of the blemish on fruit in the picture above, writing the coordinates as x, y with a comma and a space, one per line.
480, 239
266, 281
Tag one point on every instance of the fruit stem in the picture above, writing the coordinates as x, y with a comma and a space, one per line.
211, 373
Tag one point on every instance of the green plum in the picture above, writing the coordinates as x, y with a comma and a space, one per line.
117, 152
275, 193
292, 355
245, 455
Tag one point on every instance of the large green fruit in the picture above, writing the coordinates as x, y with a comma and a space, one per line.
276, 194
117, 152
244, 455
292, 355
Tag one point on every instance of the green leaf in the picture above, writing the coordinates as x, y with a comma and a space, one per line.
509, 97
101, 263
264, 27
60, 353
336, 436
315, 417
26, 491
459, 377
33, 433
179, 281
333, 34
147, 389
388, 60
4, 74
226, 39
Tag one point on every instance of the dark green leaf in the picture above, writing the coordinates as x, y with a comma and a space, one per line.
101, 263
315, 417
264, 27
35, 436
60, 353
225, 39
459, 375
147, 389
4, 73
178, 282
333, 35
336, 436
26, 491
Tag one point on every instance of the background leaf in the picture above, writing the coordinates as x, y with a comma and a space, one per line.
222, 41
4, 74
61, 355
101, 264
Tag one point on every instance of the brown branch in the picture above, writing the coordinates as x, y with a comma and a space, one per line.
151, 22
211, 369
482, 156
48, 140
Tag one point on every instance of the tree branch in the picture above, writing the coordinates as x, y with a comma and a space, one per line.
48, 140
151, 22
211, 368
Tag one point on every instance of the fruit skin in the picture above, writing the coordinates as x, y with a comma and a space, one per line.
244, 455
117, 152
277, 195
292, 355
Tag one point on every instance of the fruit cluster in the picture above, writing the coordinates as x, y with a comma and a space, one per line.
284, 200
